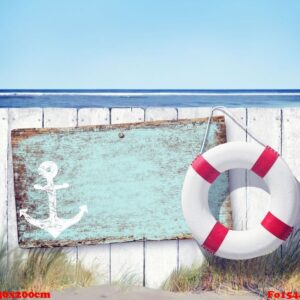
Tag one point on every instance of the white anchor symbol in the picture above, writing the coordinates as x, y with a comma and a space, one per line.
54, 225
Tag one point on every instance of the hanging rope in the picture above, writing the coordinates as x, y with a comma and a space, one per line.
224, 110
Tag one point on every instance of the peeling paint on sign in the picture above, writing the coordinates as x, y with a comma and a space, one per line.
127, 178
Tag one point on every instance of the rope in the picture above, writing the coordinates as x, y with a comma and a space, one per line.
224, 110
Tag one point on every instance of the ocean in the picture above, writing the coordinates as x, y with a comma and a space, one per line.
146, 98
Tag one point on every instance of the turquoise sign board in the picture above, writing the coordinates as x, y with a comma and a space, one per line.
103, 184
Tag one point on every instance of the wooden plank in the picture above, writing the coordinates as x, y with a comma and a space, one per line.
18, 118
127, 115
161, 258
189, 252
60, 117
194, 112
134, 250
127, 264
93, 116
117, 179
95, 257
3, 173
237, 177
290, 138
160, 113
257, 191
163, 255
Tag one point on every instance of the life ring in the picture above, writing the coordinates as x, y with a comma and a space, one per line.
276, 226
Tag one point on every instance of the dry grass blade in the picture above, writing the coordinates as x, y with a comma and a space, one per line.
279, 270
42, 270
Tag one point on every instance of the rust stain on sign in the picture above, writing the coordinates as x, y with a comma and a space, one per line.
100, 184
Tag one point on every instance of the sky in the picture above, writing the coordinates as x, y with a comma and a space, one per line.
154, 44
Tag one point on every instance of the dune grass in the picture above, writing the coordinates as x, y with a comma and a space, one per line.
279, 270
41, 270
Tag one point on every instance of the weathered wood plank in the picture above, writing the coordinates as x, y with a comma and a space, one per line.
257, 191
163, 255
194, 112
95, 257
132, 249
93, 116
127, 115
290, 140
237, 178
18, 118
115, 179
3, 173
55, 118
161, 258
189, 252
161, 113
127, 263
60, 117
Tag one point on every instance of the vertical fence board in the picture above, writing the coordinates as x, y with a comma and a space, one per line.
161, 255
237, 178
193, 112
93, 116
189, 251
96, 257
160, 113
62, 117
160, 260
265, 124
127, 115
127, 263
127, 258
18, 118
3, 173
290, 141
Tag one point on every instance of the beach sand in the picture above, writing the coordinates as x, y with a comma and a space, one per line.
117, 293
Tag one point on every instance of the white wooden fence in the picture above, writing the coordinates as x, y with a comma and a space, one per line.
151, 262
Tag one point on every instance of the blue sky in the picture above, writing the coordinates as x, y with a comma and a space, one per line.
150, 44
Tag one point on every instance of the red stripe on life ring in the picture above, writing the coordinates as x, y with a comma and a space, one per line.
276, 226
265, 162
205, 169
215, 238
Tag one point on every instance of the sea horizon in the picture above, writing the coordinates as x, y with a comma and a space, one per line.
79, 98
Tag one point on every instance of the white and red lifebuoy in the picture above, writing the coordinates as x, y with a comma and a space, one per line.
276, 225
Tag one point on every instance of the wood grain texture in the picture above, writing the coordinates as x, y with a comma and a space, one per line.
18, 118
3, 173
161, 259
237, 177
60, 117
290, 140
161, 113
127, 115
136, 183
95, 257
258, 198
127, 263
93, 116
118, 263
